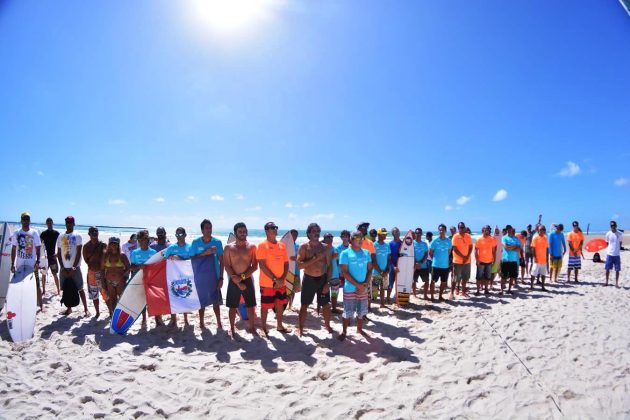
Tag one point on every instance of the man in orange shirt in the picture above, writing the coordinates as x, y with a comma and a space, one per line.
540, 247
485, 254
462, 250
521, 261
576, 241
273, 261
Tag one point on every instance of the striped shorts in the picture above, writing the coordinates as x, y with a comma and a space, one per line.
575, 262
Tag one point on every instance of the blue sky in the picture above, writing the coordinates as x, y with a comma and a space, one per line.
400, 113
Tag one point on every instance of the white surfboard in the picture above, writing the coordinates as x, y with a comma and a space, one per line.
288, 242
6, 231
406, 264
22, 305
132, 302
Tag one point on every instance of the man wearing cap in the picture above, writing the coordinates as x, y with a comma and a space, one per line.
273, 261
613, 252
49, 238
557, 249
380, 272
69, 246
462, 251
139, 257
161, 243
367, 244
205, 246
576, 241
25, 253
93, 252
421, 267
509, 258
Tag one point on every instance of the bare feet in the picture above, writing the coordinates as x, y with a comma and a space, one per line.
66, 312
265, 332
330, 330
364, 334
341, 337
284, 330
87, 314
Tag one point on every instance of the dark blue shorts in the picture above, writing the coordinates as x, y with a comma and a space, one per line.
613, 261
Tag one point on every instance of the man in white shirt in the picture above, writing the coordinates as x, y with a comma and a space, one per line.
613, 258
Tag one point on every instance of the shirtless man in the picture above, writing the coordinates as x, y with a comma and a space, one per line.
93, 252
240, 263
316, 261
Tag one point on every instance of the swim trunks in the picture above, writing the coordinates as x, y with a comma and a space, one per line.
312, 286
272, 296
234, 293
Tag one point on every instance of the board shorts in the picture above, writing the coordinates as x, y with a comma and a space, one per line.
613, 261
75, 276
509, 269
496, 267
484, 271
555, 263
461, 272
95, 284
354, 304
313, 286
334, 284
375, 286
422, 273
575, 262
52, 264
521, 262
440, 274
234, 293
539, 270
272, 296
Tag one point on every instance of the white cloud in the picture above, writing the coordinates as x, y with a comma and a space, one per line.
40, 173
117, 202
289, 205
463, 200
614, 217
159, 199
448, 208
292, 216
621, 182
255, 208
500, 195
571, 169
217, 197
307, 205
239, 196
191, 198
327, 216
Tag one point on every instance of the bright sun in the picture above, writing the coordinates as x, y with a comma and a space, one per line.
231, 16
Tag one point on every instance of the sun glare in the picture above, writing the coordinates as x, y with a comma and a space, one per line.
231, 16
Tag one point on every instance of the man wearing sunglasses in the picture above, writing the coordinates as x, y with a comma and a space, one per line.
25, 252
177, 251
613, 258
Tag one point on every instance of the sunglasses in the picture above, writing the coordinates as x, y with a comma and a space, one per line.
93, 233
271, 228
180, 235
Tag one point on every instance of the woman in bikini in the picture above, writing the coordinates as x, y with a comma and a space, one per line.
116, 266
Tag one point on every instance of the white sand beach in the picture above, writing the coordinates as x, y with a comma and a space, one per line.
565, 352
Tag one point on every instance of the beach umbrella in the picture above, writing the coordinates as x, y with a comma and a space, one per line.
595, 245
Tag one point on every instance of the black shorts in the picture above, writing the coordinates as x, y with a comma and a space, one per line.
312, 286
233, 298
52, 265
521, 262
509, 269
440, 274
423, 273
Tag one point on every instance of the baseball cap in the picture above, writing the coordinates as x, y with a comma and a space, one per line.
361, 224
25, 214
381, 231
70, 219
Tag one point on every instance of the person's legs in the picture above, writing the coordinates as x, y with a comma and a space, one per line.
263, 320
232, 317
217, 315
202, 313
